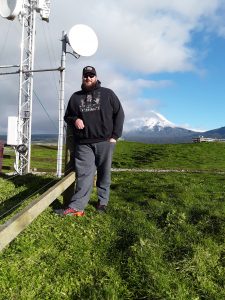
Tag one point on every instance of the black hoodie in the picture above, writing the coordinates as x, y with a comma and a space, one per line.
101, 112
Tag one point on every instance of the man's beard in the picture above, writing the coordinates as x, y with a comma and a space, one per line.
89, 87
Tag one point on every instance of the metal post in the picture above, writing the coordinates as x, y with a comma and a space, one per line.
61, 107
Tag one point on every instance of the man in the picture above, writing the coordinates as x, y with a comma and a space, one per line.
96, 116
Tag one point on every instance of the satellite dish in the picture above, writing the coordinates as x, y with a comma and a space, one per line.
83, 40
10, 8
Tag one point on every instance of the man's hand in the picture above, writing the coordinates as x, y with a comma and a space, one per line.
79, 124
112, 140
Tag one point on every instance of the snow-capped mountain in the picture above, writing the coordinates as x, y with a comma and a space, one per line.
156, 129
154, 121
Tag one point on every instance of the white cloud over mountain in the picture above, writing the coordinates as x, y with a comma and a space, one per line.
154, 119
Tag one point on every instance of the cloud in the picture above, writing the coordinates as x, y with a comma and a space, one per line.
152, 38
136, 40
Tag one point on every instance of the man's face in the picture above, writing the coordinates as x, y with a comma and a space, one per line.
89, 80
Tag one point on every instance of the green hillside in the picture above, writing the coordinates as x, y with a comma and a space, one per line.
162, 238
201, 156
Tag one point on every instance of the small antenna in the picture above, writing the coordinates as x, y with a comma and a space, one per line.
10, 9
43, 7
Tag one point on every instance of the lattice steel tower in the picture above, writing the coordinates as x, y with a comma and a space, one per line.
28, 19
26, 11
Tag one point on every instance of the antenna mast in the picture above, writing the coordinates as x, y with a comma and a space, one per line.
28, 20
26, 11
22, 164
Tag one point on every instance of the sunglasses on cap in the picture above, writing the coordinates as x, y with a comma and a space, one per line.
89, 75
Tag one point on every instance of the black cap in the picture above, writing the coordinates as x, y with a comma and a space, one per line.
89, 70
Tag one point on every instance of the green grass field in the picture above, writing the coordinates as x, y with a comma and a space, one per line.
162, 238
199, 156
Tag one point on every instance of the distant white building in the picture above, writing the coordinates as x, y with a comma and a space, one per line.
201, 139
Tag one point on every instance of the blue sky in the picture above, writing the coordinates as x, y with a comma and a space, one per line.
164, 56
194, 99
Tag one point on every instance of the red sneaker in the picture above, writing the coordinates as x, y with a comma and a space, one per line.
70, 212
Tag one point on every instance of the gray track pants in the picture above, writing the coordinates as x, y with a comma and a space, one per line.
88, 159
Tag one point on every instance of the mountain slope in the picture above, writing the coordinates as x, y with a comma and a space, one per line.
161, 135
218, 133
157, 129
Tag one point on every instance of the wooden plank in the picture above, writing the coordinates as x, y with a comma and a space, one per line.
20, 221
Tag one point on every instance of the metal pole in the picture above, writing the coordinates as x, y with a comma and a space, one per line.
61, 106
